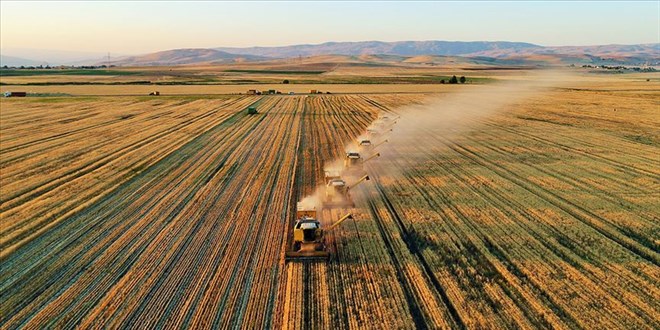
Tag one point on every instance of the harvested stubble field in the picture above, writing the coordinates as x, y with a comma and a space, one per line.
175, 212
181, 90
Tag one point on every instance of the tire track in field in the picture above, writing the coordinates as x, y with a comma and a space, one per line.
575, 181
578, 212
413, 306
508, 202
622, 166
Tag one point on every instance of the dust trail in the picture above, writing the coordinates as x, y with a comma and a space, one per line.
313, 200
448, 116
453, 115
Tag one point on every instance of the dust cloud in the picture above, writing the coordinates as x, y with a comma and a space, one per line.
454, 114
447, 116
313, 201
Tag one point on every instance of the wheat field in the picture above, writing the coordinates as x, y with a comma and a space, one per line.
130, 211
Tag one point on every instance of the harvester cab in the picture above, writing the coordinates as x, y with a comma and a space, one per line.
364, 142
353, 160
308, 241
331, 175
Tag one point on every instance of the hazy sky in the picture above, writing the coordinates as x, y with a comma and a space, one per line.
147, 26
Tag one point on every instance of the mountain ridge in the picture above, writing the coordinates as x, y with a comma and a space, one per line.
405, 48
184, 56
495, 51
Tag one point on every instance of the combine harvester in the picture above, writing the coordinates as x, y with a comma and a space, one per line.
308, 236
337, 193
354, 162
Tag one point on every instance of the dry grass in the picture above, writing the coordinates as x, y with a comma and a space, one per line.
174, 211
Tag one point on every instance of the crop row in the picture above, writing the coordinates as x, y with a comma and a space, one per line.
177, 213
177, 216
524, 226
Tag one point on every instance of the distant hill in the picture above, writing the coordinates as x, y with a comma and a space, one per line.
184, 56
17, 61
411, 52
513, 51
29, 56
370, 52
403, 48
602, 54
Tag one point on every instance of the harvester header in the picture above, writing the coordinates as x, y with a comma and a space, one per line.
305, 211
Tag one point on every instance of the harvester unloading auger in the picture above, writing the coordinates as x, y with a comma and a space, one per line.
379, 144
308, 236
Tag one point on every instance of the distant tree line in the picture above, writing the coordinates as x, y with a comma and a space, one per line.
60, 67
454, 80
621, 67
